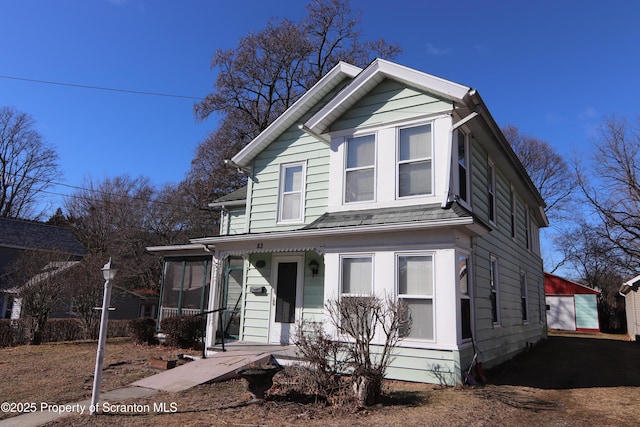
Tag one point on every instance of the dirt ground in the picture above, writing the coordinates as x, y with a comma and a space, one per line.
567, 380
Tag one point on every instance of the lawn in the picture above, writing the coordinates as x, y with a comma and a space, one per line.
533, 390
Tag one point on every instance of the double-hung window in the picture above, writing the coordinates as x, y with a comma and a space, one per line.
491, 190
291, 197
495, 290
465, 297
357, 276
524, 296
415, 288
360, 169
414, 161
463, 167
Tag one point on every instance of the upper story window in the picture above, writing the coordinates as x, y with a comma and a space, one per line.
512, 202
491, 190
414, 161
291, 197
360, 169
463, 167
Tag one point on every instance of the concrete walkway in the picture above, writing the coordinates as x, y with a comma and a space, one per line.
219, 366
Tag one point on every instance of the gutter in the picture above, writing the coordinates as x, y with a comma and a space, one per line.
301, 233
304, 128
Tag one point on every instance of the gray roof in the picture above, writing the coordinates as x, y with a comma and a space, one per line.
395, 215
237, 195
15, 233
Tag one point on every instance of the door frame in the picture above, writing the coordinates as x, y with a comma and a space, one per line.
282, 333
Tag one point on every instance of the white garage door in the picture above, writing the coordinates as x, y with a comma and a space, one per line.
561, 313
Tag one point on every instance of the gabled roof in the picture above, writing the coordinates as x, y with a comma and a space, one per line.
555, 285
293, 115
21, 234
377, 71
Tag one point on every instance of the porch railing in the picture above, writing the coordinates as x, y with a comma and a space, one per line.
174, 311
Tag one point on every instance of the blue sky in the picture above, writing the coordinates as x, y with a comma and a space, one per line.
555, 69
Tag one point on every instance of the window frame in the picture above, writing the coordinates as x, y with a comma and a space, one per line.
282, 193
418, 297
342, 268
491, 191
373, 167
494, 289
465, 296
524, 296
466, 137
513, 206
428, 159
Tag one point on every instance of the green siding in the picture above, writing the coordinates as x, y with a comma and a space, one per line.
499, 342
256, 314
389, 101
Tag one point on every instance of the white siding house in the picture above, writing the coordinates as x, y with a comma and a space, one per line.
394, 182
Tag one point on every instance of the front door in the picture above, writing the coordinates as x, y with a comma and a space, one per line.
286, 298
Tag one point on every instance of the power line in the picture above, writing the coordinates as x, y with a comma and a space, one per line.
137, 92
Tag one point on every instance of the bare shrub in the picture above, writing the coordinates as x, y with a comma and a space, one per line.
325, 358
368, 330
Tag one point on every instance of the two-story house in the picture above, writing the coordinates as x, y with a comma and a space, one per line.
379, 181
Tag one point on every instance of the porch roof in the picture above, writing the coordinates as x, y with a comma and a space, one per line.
394, 215
393, 219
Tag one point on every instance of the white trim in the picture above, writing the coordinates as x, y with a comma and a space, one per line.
374, 73
492, 202
399, 129
290, 333
360, 168
494, 287
281, 193
419, 297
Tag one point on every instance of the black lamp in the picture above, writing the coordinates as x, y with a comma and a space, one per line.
313, 265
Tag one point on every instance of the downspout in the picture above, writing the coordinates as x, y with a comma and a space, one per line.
448, 197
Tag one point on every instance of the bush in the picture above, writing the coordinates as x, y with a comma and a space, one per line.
118, 328
12, 333
62, 330
143, 330
182, 331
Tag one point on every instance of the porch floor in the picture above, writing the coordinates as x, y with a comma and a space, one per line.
218, 366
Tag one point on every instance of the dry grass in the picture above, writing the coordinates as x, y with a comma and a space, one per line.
62, 373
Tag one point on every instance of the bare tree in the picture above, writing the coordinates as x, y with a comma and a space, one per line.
611, 186
41, 279
115, 218
85, 292
28, 165
549, 172
264, 75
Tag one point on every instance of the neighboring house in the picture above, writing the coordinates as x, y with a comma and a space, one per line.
17, 236
378, 181
632, 306
125, 305
570, 306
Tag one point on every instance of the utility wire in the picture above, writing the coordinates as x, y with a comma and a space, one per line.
137, 92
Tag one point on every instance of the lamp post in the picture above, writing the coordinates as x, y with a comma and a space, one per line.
108, 272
